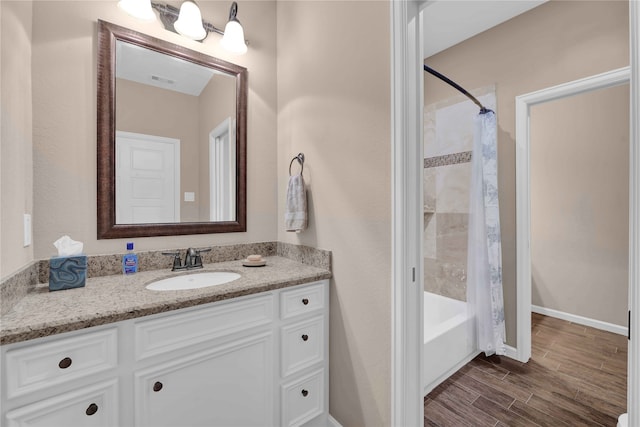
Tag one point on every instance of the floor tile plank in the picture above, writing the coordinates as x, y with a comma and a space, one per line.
577, 376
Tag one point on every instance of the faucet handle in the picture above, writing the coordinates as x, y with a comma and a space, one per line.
177, 264
197, 259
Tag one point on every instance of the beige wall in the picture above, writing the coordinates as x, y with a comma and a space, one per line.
557, 42
334, 106
580, 204
16, 149
64, 121
160, 112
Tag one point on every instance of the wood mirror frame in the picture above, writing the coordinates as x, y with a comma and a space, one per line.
108, 34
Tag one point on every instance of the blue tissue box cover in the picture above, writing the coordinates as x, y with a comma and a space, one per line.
67, 272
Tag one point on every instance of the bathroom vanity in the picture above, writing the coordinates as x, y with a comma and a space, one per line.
249, 352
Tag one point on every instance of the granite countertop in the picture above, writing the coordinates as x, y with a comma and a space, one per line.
111, 299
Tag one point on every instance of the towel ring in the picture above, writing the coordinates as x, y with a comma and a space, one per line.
300, 158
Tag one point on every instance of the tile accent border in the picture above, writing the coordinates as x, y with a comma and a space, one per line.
447, 159
17, 285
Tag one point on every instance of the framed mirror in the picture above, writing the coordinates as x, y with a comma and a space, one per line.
172, 138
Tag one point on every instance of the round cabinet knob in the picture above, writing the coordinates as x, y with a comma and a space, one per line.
92, 409
305, 393
305, 337
305, 301
157, 386
65, 363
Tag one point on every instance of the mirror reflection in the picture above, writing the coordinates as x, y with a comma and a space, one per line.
172, 138
175, 139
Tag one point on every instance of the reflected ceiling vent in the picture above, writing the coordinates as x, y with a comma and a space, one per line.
163, 80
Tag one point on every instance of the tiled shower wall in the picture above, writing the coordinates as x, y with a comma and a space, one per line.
448, 141
446, 213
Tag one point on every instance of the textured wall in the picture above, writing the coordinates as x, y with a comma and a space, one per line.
16, 151
580, 204
64, 120
557, 42
334, 106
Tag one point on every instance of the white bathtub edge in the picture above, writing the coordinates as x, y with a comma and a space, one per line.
429, 387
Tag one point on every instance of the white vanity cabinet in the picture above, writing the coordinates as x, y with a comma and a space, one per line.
258, 360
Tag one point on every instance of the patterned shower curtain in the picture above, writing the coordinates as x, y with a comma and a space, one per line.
484, 259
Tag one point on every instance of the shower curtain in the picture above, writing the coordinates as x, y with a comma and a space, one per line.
484, 259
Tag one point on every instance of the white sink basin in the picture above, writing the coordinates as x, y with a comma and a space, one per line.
193, 281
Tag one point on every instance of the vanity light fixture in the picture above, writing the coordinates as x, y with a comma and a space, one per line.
140, 9
187, 21
233, 38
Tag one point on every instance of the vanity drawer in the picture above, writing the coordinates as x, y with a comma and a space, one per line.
172, 332
39, 366
93, 406
302, 300
302, 345
303, 399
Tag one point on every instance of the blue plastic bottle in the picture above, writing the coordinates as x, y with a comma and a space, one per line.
130, 260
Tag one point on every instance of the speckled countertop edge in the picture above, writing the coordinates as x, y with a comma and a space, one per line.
110, 299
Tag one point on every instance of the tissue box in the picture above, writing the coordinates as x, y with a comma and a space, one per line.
67, 272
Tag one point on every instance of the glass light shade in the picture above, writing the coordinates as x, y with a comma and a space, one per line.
189, 22
140, 9
233, 39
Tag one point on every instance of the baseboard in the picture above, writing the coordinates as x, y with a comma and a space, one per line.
598, 324
332, 422
512, 352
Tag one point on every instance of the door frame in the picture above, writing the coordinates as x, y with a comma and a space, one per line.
406, 60
215, 158
407, 289
523, 204
523, 187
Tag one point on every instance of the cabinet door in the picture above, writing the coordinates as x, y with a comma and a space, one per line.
94, 406
228, 385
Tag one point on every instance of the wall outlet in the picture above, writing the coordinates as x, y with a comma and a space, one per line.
27, 230
189, 196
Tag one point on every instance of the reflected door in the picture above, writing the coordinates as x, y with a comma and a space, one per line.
147, 179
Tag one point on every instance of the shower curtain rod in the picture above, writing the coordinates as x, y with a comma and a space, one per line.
447, 80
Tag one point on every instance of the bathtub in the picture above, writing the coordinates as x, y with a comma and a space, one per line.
448, 344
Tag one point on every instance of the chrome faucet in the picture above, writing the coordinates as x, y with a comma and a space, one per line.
192, 259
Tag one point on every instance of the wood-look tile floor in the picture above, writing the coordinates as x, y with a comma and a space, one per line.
577, 376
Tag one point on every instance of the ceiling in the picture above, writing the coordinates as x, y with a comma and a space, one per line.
152, 68
449, 22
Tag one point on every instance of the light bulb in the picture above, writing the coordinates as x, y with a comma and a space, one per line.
189, 22
140, 9
233, 39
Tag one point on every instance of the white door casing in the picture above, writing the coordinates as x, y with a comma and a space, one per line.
407, 407
147, 179
523, 214
222, 172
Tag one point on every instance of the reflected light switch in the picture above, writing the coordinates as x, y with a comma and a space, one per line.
189, 196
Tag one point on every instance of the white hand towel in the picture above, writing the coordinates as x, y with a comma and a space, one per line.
295, 214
